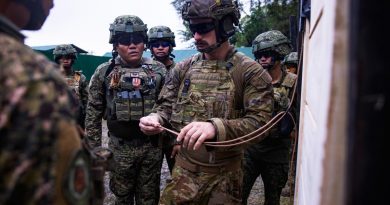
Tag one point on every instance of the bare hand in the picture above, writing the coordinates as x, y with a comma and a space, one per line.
194, 134
175, 150
149, 125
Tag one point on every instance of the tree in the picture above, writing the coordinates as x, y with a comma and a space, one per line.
264, 15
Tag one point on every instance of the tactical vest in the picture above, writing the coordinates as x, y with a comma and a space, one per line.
132, 92
282, 97
73, 82
206, 91
282, 93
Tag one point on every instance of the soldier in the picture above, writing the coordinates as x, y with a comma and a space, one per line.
161, 41
216, 95
270, 157
40, 151
65, 55
291, 62
126, 89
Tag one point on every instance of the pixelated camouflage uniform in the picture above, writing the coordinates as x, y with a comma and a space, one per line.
270, 157
76, 80
78, 84
169, 140
164, 34
209, 175
37, 126
137, 157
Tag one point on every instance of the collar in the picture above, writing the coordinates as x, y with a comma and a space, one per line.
7, 27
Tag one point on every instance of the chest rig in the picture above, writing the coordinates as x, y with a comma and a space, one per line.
132, 92
282, 92
207, 91
73, 82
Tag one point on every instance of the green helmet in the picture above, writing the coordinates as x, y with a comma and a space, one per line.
224, 12
127, 24
291, 58
64, 50
272, 41
161, 33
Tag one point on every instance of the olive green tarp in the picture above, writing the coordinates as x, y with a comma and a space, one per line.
88, 63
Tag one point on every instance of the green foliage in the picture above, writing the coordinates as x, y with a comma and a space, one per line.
264, 15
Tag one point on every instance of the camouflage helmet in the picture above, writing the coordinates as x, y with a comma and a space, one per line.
64, 50
291, 58
219, 10
272, 41
127, 24
162, 33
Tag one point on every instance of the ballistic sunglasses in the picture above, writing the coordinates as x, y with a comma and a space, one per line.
202, 28
130, 39
164, 44
266, 54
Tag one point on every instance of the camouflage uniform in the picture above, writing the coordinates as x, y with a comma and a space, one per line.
291, 62
164, 34
38, 139
76, 81
234, 94
126, 93
270, 158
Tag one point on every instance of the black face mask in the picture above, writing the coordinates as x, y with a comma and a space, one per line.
128, 39
202, 28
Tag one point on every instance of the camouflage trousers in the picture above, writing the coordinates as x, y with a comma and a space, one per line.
200, 188
136, 173
274, 176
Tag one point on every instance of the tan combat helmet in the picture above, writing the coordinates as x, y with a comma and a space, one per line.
225, 14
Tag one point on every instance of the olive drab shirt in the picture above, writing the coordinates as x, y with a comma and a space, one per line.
125, 93
36, 116
235, 95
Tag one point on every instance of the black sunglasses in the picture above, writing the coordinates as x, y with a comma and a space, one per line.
130, 39
164, 44
266, 54
202, 28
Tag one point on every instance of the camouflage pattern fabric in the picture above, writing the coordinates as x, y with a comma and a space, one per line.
98, 96
271, 40
270, 158
274, 176
195, 188
36, 108
127, 24
137, 157
252, 104
78, 84
136, 172
161, 33
291, 58
63, 50
168, 141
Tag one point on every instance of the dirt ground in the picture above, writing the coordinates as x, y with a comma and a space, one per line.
255, 198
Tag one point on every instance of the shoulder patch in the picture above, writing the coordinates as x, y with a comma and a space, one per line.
77, 184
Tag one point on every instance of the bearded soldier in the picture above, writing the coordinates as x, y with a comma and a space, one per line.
216, 95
